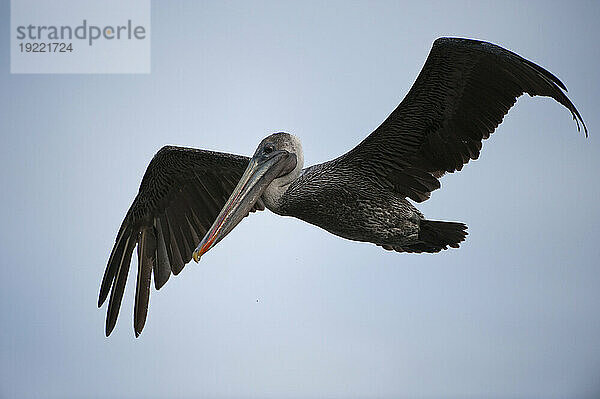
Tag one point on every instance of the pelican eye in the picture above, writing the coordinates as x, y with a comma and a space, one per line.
269, 148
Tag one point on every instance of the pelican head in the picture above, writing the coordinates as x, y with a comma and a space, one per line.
275, 164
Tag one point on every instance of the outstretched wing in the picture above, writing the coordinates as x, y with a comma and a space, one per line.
459, 98
180, 196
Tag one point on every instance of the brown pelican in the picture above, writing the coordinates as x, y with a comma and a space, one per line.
190, 199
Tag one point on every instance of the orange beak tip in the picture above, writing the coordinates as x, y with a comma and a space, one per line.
199, 252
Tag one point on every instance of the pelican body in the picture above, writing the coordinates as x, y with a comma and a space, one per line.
343, 202
189, 199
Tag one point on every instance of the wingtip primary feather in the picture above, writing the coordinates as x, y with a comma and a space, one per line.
111, 268
118, 288
108, 330
146, 258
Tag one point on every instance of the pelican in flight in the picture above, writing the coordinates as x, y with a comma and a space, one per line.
190, 199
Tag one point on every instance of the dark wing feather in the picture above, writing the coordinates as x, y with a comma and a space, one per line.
459, 98
180, 196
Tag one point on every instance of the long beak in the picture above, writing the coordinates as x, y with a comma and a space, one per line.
258, 175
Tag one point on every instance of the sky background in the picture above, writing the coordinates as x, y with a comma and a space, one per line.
513, 313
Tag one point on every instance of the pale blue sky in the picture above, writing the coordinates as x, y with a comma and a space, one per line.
513, 313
